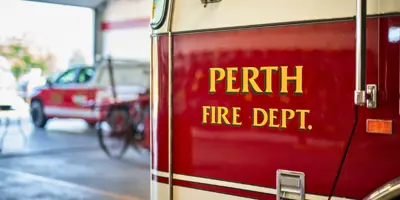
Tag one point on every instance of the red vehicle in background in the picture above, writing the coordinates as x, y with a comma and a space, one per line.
275, 99
114, 96
70, 93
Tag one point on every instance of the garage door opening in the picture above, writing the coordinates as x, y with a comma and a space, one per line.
46, 36
49, 78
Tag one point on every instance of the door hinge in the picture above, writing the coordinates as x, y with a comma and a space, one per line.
372, 96
205, 2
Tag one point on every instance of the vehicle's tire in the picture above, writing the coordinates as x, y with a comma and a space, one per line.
120, 136
140, 124
38, 117
139, 129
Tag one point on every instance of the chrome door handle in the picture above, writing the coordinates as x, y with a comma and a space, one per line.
290, 185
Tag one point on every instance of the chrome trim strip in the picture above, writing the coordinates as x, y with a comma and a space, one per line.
361, 30
387, 191
170, 164
151, 108
170, 65
241, 186
340, 198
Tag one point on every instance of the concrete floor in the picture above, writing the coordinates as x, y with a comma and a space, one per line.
64, 162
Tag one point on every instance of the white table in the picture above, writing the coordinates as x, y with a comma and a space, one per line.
9, 111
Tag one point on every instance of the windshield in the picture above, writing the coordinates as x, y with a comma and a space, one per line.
123, 76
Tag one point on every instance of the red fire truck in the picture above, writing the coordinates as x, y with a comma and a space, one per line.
275, 99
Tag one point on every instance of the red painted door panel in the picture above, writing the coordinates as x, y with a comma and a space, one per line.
372, 159
160, 108
68, 97
58, 95
67, 100
252, 155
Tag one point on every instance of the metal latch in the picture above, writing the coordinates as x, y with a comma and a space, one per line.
290, 185
205, 2
372, 95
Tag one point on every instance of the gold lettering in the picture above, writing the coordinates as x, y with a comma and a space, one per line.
230, 79
222, 112
235, 116
213, 113
272, 117
255, 117
287, 114
220, 115
213, 78
246, 80
205, 114
297, 78
268, 77
302, 119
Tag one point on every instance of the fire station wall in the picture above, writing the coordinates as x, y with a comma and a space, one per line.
126, 33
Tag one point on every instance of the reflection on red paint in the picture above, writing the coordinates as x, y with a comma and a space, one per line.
245, 154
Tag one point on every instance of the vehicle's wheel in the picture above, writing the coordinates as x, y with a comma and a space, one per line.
139, 124
115, 133
39, 119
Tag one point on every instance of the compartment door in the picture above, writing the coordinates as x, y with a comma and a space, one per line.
248, 103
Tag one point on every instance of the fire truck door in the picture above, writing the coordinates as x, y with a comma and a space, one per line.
67, 96
296, 115
266, 111
54, 100
85, 91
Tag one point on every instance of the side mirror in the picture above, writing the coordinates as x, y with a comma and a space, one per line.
49, 83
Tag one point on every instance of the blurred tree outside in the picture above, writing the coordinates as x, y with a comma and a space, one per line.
23, 57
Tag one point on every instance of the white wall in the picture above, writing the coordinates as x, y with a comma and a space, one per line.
58, 29
131, 39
